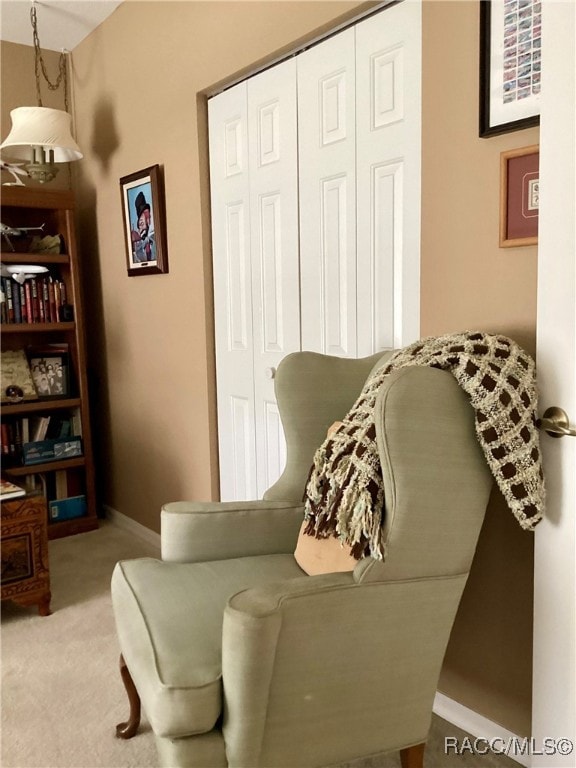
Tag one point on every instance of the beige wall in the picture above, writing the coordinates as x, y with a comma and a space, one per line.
468, 282
137, 79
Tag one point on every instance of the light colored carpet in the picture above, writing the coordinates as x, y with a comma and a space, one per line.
61, 690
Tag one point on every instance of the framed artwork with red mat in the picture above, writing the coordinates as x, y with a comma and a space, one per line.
519, 196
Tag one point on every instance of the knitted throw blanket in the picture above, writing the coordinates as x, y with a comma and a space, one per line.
345, 494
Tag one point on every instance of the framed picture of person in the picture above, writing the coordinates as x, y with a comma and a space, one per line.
144, 222
50, 373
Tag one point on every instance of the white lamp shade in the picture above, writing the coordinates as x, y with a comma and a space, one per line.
42, 127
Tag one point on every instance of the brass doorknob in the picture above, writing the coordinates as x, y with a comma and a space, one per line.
555, 423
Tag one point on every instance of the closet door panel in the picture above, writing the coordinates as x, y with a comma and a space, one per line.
327, 167
315, 172
388, 89
230, 197
273, 151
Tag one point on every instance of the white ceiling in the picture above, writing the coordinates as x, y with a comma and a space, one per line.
62, 24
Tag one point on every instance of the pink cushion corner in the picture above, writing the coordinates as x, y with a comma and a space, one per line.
316, 556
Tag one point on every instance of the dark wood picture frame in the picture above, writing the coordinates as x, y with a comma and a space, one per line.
519, 196
50, 370
510, 65
143, 211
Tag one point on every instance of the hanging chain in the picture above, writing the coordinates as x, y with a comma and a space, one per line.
40, 65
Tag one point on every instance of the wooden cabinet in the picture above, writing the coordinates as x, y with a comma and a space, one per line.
43, 330
25, 570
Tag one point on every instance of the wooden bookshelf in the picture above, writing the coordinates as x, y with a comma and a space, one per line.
54, 209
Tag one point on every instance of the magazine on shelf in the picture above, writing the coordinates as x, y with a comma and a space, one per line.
10, 490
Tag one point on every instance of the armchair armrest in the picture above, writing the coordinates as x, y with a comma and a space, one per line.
201, 531
299, 658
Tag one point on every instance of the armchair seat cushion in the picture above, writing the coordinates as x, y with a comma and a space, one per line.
169, 619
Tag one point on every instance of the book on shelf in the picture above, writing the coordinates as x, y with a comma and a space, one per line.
63, 493
38, 300
56, 435
9, 490
45, 451
39, 428
67, 509
55, 485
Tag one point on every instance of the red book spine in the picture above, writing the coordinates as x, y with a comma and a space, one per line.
41, 307
5, 439
52, 301
28, 302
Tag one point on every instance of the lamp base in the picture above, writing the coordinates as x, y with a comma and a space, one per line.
42, 172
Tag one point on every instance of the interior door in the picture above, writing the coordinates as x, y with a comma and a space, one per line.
273, 151
388, 140
554, 679
283, 161
254, 185
327, 176
230, 191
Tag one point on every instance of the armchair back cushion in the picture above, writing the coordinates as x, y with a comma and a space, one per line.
313, 391
436, 480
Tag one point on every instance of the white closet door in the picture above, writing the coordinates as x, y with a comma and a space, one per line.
388, 126
273, 150
321, 155
327, 149
230, 192
254, 188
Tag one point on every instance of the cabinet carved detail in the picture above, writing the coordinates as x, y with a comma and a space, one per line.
25, 574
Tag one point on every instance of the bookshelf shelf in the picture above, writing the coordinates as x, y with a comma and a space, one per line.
10, 257
68, 416
44, 405
48, 466
37, 327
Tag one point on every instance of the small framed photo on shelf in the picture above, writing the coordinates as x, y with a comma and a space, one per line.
519, 196
50, 372
510, 65
144, 222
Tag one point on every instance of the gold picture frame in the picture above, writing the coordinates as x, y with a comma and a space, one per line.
519, 196
16, 380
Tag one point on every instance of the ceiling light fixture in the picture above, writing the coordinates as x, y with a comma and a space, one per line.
44, 134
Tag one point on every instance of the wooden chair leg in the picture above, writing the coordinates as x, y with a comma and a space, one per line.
413, 757
128, 729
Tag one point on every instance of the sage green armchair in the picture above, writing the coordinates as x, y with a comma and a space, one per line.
242, 659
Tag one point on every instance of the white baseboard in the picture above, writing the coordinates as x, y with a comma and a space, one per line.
128, 524
478, 726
